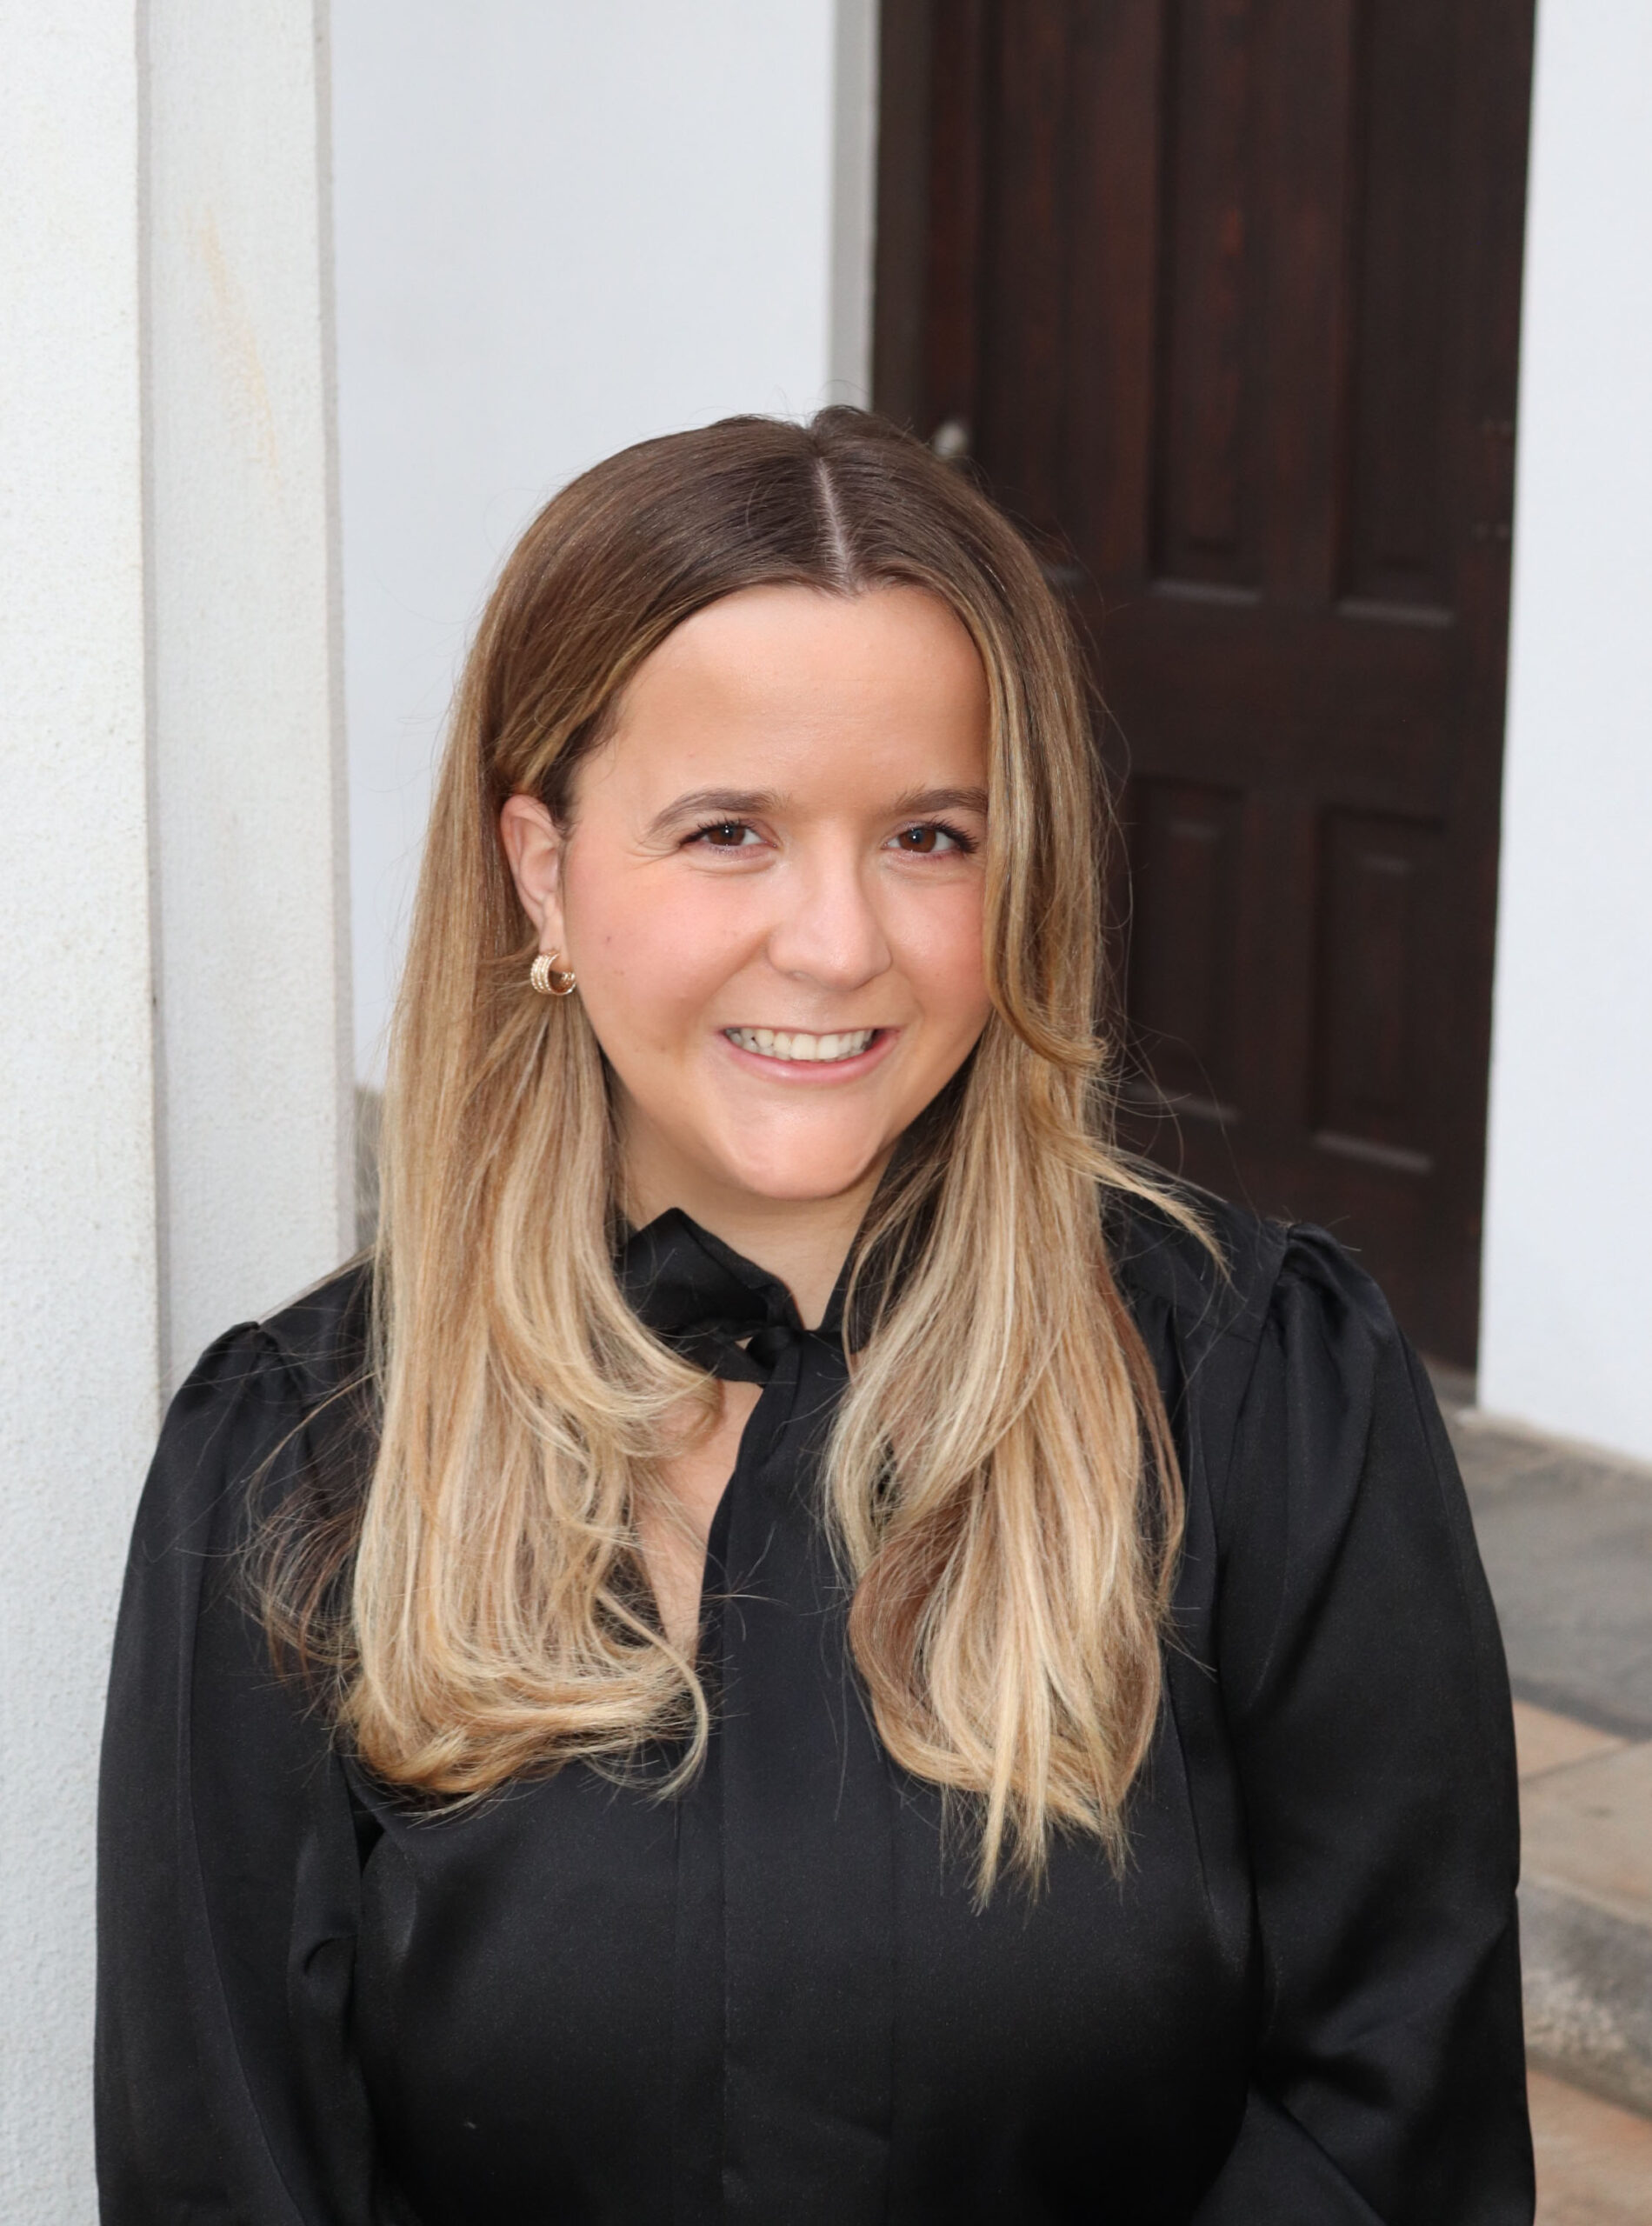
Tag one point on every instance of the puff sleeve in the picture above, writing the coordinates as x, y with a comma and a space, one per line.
1362, 1680
226, 2087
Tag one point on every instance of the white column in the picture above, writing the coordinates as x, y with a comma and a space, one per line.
249, 833
173, 1144
1566, 1340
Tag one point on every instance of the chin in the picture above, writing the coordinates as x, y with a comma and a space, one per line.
803, 1178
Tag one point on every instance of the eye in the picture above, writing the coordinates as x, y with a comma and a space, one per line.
928, 838
725, 835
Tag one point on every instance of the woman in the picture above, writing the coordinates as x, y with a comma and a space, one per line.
839, 1651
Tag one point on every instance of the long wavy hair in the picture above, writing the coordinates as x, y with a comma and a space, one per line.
1001, 1479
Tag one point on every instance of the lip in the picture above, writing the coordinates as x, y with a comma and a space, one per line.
818, 1073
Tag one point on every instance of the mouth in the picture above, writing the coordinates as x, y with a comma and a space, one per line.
799, 1048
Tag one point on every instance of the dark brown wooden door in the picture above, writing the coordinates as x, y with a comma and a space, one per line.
1222, 297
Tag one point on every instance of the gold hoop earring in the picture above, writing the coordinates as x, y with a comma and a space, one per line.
547, 980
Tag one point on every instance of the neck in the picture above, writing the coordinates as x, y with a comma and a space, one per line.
802, 1241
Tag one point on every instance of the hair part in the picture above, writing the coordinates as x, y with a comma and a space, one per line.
1000, 1478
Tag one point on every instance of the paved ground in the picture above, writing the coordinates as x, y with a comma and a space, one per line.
1593, 2161
1567, 1539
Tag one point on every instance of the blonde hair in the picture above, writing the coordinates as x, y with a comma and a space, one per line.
1001, 1478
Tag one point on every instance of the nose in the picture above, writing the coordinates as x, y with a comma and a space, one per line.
828, 931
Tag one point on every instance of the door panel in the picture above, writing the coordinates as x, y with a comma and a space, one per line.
1223, 296
1379, 909
1185, 870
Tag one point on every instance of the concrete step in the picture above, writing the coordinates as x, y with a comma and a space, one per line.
1586, 1904
1593, 2161
1566, 1531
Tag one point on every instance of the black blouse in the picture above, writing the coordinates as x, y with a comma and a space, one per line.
774, 1997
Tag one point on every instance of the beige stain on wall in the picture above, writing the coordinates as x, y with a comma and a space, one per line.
238, 342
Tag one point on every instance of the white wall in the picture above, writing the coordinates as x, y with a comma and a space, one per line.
172, 1147
1567, 1342
78, 1297
563, 225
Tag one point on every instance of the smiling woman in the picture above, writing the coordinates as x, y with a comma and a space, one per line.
843, 1652
785, 968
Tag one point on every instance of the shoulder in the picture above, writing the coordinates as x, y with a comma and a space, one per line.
1265, 1319
260, 1403
1231, 1277
1201, 1282
322, 1336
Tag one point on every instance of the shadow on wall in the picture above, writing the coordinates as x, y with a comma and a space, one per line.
369, 1105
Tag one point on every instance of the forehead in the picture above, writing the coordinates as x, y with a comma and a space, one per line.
774, 665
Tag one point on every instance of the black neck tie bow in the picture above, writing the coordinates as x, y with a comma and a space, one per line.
718, 1310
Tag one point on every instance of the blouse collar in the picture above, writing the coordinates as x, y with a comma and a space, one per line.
711, 1304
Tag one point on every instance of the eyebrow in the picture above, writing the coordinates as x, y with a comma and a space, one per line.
921, 802
740, 803
735, 803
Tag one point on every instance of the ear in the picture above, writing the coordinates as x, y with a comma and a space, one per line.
533, 851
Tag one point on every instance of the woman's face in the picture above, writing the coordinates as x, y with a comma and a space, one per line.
771, 890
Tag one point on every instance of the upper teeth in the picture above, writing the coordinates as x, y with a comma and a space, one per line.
794, 1043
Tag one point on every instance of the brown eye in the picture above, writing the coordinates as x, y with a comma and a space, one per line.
723, 834
932, 838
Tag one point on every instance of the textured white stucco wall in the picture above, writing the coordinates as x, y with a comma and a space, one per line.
251, 849
560, 229
1567, 1338
78, 1311
172, 1146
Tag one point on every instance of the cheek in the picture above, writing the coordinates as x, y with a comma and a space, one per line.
943, 958
647, 958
